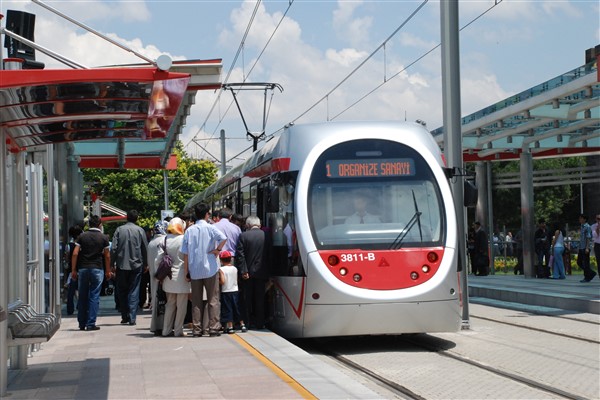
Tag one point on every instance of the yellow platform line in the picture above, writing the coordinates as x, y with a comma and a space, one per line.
278, 371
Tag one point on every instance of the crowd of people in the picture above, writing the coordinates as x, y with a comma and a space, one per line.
217, 279
552, 249
219, 268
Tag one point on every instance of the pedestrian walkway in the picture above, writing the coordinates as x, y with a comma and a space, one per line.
129, 362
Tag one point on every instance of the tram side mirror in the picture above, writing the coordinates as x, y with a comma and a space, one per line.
470, 199
273, 200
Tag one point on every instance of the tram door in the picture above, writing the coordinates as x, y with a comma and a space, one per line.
260, 211
264, 203
273, 220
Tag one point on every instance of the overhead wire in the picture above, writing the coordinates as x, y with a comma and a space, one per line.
242, 42
231, 67
394, 75
359, 66
385, 81
271, 135
256, 62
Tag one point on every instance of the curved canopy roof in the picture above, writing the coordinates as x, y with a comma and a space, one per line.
118, 117
557, 117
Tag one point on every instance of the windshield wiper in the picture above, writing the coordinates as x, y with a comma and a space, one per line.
416, 218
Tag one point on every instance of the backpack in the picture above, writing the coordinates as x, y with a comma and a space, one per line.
164, 267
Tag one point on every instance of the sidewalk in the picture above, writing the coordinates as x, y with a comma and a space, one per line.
129, 362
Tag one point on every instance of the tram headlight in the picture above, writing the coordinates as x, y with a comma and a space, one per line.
414, 275
425, 269
356, 277
343, 271
333, 260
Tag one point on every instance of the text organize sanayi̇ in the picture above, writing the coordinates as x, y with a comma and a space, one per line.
369, 168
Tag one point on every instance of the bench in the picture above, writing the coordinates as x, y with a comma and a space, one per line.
26, 326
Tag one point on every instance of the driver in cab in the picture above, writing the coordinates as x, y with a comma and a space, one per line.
361, 215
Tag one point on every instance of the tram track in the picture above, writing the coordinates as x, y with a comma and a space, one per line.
405, 392
389, 385
501, 354
542, 330
494, 370
402, 391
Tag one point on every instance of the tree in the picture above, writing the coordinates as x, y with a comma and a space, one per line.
143, 190
552, 203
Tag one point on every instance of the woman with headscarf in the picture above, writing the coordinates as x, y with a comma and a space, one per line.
177, 287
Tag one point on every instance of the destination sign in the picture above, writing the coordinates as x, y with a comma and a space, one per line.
376, 168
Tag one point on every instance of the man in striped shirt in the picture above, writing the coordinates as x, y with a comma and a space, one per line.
202, 243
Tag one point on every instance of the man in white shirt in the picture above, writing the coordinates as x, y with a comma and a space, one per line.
361, 215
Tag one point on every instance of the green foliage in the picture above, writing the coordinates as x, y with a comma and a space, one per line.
552, 203
143, 190
507, 265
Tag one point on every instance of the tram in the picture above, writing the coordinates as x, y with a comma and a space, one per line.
361, 227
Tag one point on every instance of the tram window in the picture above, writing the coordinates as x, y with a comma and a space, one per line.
360, 206
253, 200
354, 215
368, 193
245, 193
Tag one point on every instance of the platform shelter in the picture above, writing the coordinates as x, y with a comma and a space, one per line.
556, 118
52, 123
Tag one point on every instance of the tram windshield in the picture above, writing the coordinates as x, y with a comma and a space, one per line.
374, 195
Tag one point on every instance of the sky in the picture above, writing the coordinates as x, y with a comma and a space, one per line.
335, 60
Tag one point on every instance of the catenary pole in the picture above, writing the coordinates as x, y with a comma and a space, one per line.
223, 159
166, 188
452, 131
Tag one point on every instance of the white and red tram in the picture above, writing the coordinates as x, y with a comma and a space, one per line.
361, 227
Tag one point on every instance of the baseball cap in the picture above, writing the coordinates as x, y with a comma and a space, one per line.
225, 254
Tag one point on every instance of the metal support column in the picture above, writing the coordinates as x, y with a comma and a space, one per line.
60, 168
490, 216
527, 213
53, 232
4, 268
482, 193
75, 192
35, 238
452, 132
165, 188
4, 229
17, 257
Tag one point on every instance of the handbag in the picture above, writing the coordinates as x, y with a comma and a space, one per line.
551, 261
165, 266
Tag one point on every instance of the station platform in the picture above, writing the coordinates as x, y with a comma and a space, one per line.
532, 294
129, 362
